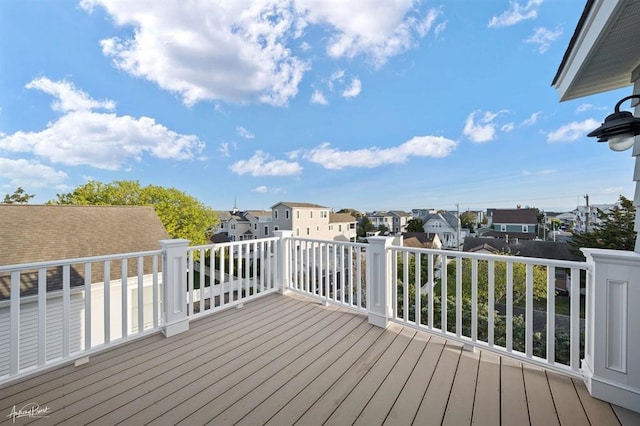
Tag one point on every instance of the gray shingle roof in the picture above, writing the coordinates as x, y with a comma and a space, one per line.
515, 216
34, 233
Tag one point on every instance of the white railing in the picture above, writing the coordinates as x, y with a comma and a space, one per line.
51, 326
490, 302
332, 271
62, 310
228, 274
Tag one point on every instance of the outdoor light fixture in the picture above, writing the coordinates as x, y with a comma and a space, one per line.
619, 128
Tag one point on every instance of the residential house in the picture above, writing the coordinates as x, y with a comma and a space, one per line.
513, 224
586, 217
245, 225
35, 233
421, 240
400, 219
445, 224
381, 218
313, 221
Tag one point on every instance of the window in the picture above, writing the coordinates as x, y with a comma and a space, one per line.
525, 228
297, 214
266, 230
330, 227
339, 228
286, 214
323, 214
275, 228
255, 226
275, 214
318, 228
297, 232
503, 228
308, 231
222, 225
310, 214
352, 226
233, 226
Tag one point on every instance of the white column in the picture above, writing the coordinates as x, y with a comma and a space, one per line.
174, 283
611, 366
378, 278
635, 78
283, 259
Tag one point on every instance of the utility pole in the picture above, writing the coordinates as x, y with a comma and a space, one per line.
586, 226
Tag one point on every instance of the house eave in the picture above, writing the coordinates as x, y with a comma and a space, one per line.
591, 65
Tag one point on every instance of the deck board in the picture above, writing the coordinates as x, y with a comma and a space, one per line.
286, 359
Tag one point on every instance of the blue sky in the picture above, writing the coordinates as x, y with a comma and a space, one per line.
373, 105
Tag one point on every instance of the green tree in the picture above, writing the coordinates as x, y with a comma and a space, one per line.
467, 220
519, 273
18, 197
364, 226
383, 229
182, 215
415, 225
615, 232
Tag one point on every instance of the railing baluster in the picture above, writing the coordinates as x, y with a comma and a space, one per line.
458, 296
123, 296
474, 300
509, 336
107, 301
491, 302
575, 319
156, 296
418, 287
431, 287
140, 294
42, 314
443, 296
405, 284
14, 356
66, 309
529, 312
551, 314
87, 306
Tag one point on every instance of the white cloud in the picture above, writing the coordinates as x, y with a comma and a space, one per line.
353, 90
572, 131
261, 164
67, 97
418, 146
231, 51
483, 129
101, 140
533, 119
318, 98
224, 149
30, 173
516, 14
543, 37
377, 29
244, 133
543, 172
261, 189
242, 51
507, 127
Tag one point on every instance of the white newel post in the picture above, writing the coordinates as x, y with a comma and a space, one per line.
611, 366
174, 282
283, 259
378, 276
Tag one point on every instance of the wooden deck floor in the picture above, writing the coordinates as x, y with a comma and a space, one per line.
283, 360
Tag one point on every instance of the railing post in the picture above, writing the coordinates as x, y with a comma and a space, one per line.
174, 284
283, 259
611, 366
378, 280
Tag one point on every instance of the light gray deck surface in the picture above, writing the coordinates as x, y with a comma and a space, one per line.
283, 360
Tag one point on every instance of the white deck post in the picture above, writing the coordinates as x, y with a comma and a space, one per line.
283, 259
378, 276
174, 282
611, 366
